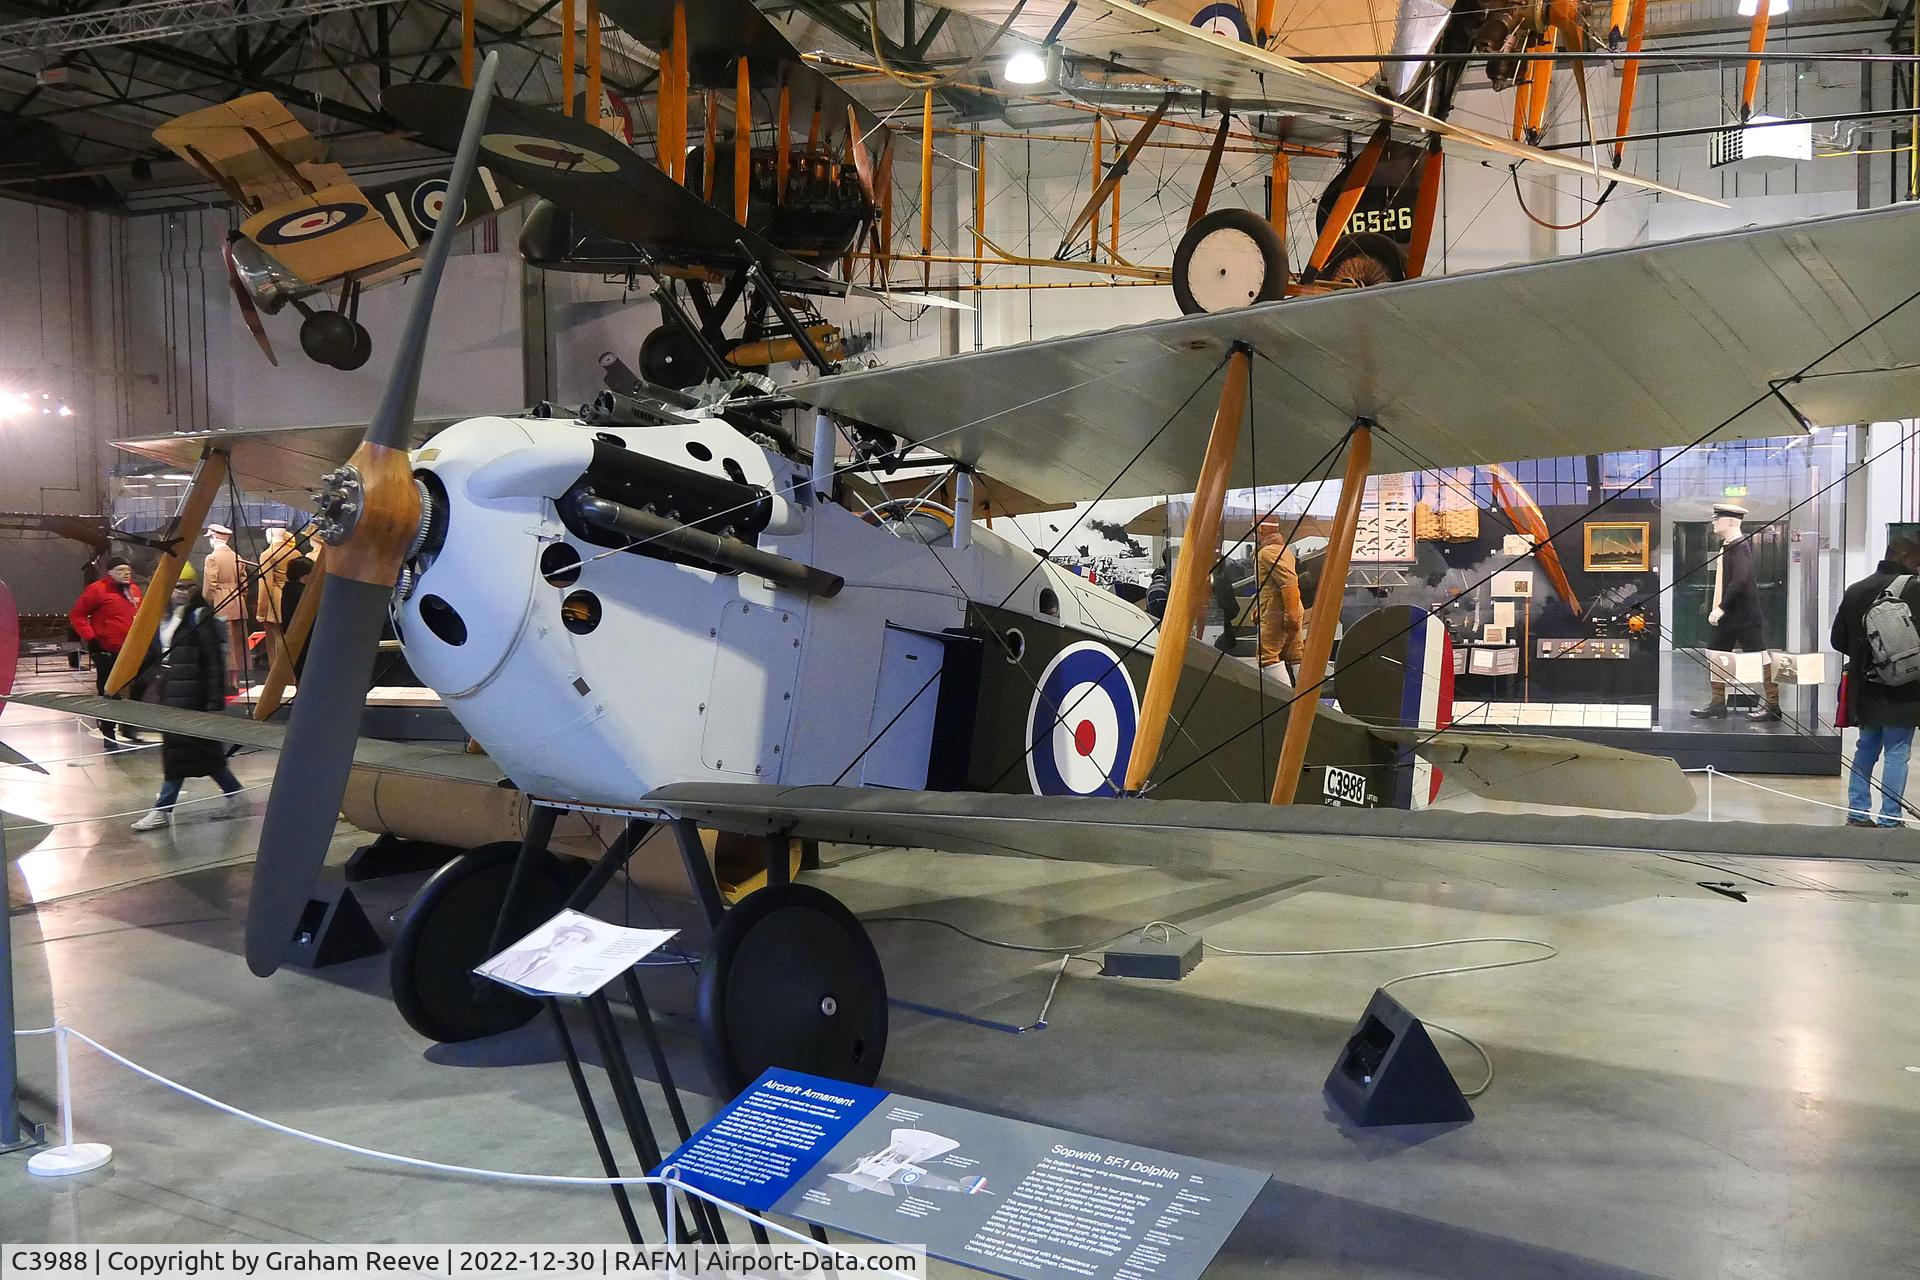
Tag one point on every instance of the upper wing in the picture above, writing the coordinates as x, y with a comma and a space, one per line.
1629, 349
272, 461
1250, 76
423, 759
1518, 852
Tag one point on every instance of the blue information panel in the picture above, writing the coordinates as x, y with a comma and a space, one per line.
1019, 1200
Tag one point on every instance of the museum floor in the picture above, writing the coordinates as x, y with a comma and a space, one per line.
1692, 1088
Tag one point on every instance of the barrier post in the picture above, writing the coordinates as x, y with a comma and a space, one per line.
11, 1139
1710, 773
69, 1157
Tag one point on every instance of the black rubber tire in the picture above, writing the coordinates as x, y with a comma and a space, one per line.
1383, 250
669, 358
1273, 256
446, 932
327, 337
362, 348
773, 964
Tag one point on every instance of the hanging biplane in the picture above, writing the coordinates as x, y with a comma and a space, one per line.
308, 225
662, 615
769, 209
1318, 72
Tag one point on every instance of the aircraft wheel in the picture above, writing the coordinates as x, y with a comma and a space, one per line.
791, 980
327, 337
361, 349
1366, 259
446, 932
669, 358
1230, 258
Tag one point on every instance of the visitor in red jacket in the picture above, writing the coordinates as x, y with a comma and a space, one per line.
102, 617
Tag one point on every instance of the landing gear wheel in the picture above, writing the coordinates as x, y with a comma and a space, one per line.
362, 348
1230, 258
1365, 259
328, 338
791, 980
669, 358
446, 932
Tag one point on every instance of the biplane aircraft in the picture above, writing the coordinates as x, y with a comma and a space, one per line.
308, 225
725, 215
662, 615
1313, 72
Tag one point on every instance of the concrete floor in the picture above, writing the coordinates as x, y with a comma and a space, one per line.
1693, 1088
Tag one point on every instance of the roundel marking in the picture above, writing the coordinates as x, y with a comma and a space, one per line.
1081, 722
1224, 20
429, 199
307, 223
545, 153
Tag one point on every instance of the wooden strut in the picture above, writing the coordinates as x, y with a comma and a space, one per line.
1115, 173
593, 63
191, 517
1093, 226
710, 169
1325, 619
1277, 192
293, 640
1343, 206
1209, 172
1192, 572
1629, 77
466, 43
567, 56
742, 140
1426, 208
1540, 73
783, 143
680, 85
926, 172
1756, 43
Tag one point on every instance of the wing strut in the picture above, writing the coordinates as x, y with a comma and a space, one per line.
1187, 592
208, 476
1117, 171
1325, 618
1629, 77
1756, 43
1426, 208
1357, 179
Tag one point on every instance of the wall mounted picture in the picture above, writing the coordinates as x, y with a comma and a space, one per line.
1619, 546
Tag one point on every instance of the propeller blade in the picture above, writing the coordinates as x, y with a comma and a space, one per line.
248, 312
293, 639
372, 511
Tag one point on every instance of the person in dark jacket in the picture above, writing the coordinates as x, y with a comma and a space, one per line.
101, 617
1885, 714
1158, 586
189, 654
296, 586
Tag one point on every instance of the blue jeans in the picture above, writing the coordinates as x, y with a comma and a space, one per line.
170, 788
1890, 745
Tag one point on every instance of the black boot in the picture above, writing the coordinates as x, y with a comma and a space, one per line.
1715, 710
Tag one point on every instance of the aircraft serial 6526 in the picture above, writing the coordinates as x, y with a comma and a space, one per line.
679, 614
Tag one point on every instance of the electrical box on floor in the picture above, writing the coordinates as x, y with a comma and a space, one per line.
1168, 959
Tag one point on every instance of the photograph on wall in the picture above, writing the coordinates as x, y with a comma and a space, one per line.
1619, 546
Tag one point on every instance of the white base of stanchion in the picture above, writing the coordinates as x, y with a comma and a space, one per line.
61, 1162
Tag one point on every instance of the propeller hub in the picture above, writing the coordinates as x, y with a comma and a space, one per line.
338, 503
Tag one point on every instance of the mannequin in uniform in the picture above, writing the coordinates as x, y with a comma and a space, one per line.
1734, 613
220, 575
281, 551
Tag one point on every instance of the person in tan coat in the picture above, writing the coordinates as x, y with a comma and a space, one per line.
226, 595
1283, 619
269, 606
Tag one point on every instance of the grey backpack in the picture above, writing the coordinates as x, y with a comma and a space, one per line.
1892, 639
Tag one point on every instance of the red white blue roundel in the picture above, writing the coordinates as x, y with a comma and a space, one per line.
1080, 724
1224, 20
308, 223
545, 153
428, 200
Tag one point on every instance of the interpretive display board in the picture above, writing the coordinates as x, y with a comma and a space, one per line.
998, 1195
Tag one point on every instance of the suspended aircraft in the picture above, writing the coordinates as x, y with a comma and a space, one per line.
309, 226
657, 613
722, 216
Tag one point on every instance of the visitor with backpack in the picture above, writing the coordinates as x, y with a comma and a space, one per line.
1878, 629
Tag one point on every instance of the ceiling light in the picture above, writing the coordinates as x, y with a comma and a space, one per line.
1774, 8
1027, 67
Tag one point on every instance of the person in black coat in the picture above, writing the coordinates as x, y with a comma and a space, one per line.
189, 655
1886, 715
